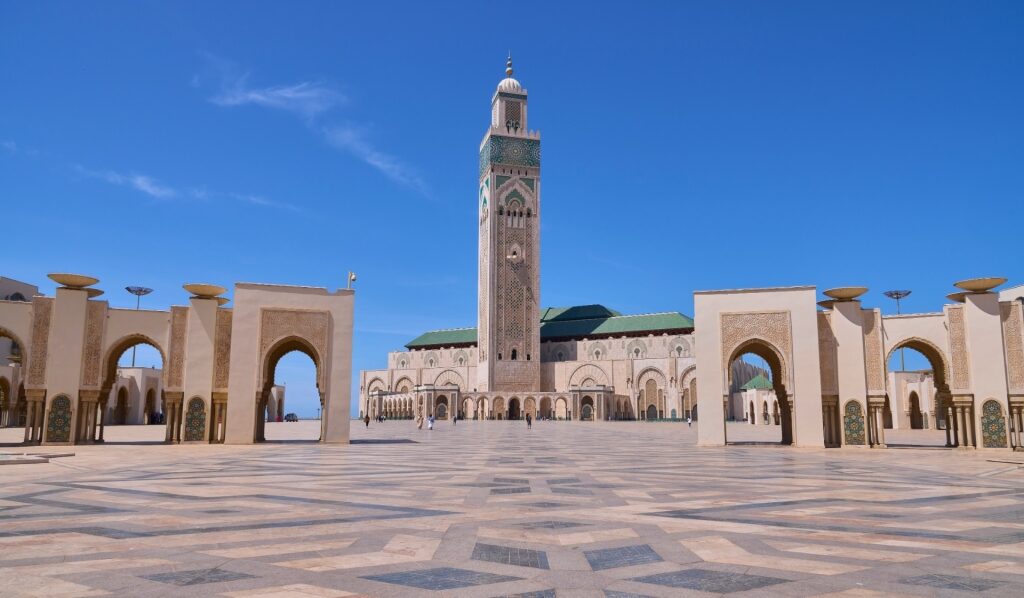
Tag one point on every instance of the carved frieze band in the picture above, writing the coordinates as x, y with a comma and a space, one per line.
960, 376
773, 327
176, 360
312, 326
222, 350
873, 359
42, 309
827, 355
1013, 337
95, 318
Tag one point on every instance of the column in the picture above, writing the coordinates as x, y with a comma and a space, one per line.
949, 426
30, 420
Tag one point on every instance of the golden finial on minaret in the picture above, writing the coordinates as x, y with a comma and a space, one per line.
508, 65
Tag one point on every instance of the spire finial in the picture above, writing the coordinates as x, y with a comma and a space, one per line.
508, 65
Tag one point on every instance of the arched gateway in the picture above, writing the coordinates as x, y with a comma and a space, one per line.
218, 362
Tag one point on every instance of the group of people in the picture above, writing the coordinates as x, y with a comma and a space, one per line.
380, 419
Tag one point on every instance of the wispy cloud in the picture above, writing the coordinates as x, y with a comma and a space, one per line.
352, 140
154, 188
9, 145
139, 182
313, 100
308, 98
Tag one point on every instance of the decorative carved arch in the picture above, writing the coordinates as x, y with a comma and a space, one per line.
687, 375
651, 372
679, 341
935, 356
114, 352
407, 380
588, 370
8, 333
765, 350
449, 378
282, 347
636, 349
375, 384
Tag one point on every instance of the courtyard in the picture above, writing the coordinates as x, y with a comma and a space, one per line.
493, 509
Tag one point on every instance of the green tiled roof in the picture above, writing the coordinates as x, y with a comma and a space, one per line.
577, 312
562, 323
451, 337
758, 382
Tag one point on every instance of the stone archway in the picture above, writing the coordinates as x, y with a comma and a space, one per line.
916, 415
271, 358
545, 408
587, 409
6, 403
561, 408
120, 417
957, 418
108, 376
514, 408
441, 407
782, 411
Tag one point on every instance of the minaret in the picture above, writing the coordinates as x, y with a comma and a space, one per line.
508, 325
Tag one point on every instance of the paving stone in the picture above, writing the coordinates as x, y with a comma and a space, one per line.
196, 577
441, 578
953, 582
625, 556
509, 555
705, 580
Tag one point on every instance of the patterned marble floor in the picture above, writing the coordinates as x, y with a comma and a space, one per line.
493, 509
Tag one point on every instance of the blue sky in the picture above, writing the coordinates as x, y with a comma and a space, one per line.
686, 146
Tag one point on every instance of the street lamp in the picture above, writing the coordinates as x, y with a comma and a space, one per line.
897, 295
138, 292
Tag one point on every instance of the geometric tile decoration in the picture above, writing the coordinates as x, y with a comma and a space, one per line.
409, 512
196, 577
853, 423
626, 556
58, 428
993, 425
442, 578
717, 582
508, 555
195, 420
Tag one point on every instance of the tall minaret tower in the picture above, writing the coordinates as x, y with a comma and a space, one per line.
508, 326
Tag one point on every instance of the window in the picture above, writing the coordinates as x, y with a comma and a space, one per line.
514, 355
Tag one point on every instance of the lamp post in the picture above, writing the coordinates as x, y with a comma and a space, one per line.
897, 295
351, 279
138, 292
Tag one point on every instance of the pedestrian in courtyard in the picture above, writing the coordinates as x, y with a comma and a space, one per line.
689, 422
529, 422
367, 420
430, 422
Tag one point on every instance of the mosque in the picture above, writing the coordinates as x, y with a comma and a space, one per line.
592, 363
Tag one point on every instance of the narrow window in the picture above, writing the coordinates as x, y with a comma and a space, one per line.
513, 354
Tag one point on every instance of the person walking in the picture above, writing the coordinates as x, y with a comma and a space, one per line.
430, 422
367, 420
529, 422
689, 422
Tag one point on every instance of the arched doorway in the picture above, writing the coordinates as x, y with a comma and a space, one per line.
887, 414
513, 408
441, 407
917, 365
587, 409
132, 363
121, 407
758, 366
498, 411
545, 408
530, 407
561, 408
652, 412
6, 403
150, 407
752, 414
291, 386
916, 417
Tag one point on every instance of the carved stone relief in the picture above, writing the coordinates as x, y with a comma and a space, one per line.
874, 363
311, 326
95, 318
222, 349
176, 359
42, 309
827, 355
772, 327
960, 378
1013, 337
